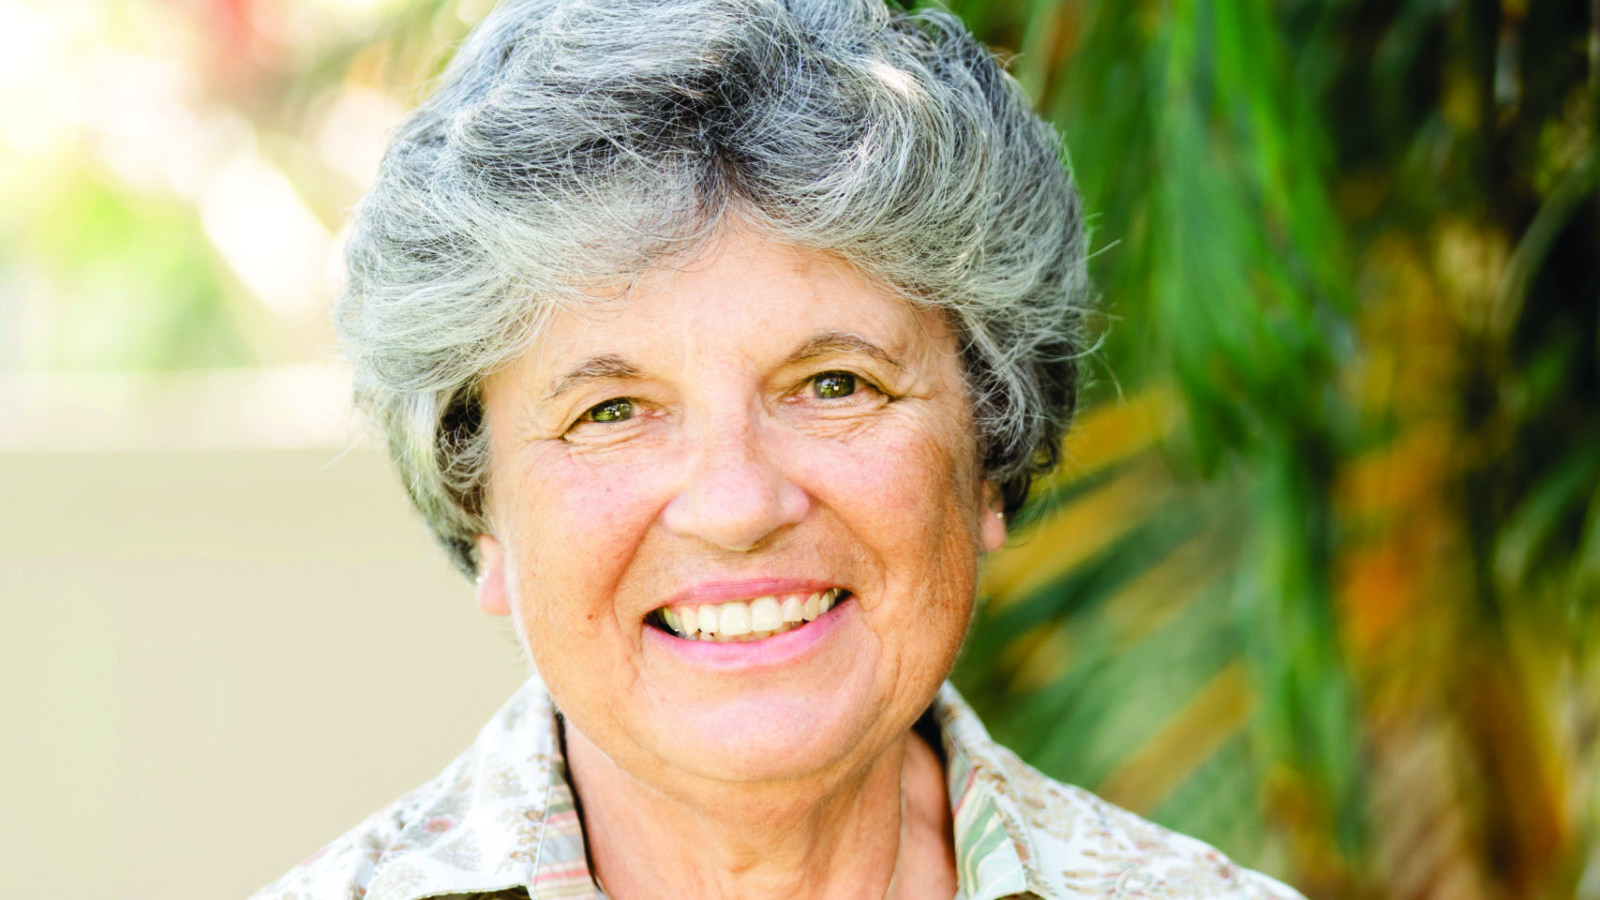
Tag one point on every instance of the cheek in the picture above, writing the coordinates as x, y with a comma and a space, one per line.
584, 505
575, 528
909, 493
910, 500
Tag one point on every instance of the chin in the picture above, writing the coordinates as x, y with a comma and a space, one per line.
777, 736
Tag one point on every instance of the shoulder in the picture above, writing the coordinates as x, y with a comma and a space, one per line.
343, 868
1085, 846
346, 867
1022, 830
469, 830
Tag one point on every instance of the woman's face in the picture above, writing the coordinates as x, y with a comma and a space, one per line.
759, 423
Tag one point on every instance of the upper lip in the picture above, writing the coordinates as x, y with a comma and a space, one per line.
711, 592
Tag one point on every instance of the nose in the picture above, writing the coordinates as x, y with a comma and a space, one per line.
735, 494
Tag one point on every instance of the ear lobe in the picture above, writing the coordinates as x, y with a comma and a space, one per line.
993, 527
492, 596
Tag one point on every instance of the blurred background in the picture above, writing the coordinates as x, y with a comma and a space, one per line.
1319, 582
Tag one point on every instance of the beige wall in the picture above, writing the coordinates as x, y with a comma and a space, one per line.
212, 661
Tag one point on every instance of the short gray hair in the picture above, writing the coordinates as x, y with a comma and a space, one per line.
572, 144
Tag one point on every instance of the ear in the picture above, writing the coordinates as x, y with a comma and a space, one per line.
992, 528
492, 596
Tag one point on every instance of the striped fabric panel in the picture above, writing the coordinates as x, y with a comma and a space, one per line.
989, 862
562, 867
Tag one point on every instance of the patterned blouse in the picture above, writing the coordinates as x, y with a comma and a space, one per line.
501, 823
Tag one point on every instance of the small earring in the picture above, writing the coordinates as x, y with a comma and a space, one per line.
1000, 514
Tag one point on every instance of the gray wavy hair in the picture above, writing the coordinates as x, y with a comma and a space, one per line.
574, 144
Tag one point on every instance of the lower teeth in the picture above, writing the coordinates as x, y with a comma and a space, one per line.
742, 638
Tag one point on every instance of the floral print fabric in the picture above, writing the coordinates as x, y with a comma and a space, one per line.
500, 822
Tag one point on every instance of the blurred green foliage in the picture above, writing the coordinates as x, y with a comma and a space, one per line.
1318, 582
1343, 624
130, 274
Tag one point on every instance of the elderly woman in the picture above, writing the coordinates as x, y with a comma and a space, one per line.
716, 339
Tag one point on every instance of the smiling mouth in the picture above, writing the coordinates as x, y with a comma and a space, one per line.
740, 621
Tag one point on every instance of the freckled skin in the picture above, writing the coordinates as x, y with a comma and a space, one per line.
729, 466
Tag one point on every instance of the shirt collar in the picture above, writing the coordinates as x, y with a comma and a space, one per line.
503, 816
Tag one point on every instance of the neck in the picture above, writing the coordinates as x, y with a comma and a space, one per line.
831, 837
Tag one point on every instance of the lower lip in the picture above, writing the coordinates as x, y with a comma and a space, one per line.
776, 650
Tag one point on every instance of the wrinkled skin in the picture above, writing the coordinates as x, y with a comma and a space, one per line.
758, 415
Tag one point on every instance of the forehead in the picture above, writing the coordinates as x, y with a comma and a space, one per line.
743, 299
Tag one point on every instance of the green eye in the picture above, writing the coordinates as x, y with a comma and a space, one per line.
834, 385
618, 409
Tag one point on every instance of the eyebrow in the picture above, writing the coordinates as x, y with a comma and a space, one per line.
595, 368
609, 367
826, 342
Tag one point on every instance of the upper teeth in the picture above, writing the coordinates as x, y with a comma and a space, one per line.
748, 619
